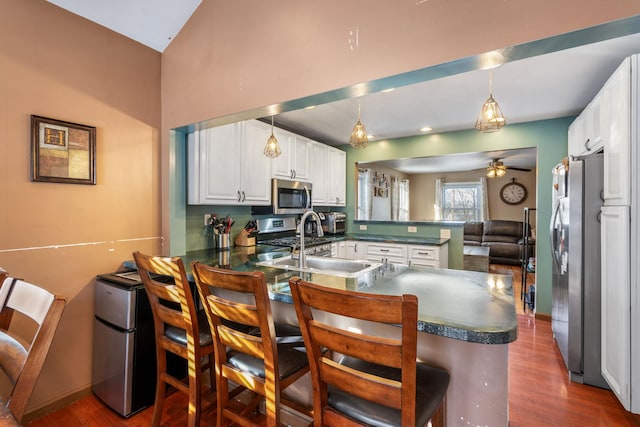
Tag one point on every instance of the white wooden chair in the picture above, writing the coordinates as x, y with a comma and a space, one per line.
21, 358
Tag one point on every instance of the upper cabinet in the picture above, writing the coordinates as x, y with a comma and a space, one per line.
226, 165
617, 136
585, 133
295, 161
337, 170
329, 175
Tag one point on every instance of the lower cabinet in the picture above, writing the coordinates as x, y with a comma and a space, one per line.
429, 256
387, 252
435, 256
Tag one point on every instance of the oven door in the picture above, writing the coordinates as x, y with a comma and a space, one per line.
291, 197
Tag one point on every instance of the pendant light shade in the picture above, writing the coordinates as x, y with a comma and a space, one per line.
491, 118
359, 137
272, 149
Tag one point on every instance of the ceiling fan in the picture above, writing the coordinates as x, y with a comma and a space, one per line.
496, 168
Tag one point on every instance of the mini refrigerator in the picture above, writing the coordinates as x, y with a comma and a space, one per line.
124, 359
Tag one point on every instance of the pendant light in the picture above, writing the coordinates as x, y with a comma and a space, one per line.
490, 118
272, 149
359, 138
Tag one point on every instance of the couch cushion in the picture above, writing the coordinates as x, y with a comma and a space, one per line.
502, 228
472, 232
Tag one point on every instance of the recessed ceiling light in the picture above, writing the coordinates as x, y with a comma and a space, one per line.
310, 107
391, 89
426, 129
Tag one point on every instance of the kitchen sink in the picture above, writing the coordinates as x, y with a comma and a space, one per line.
325, 265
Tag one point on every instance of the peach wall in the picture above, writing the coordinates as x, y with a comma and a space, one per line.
59, 236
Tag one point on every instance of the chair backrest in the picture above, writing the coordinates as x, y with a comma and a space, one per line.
234, 319
22, 359
320, 336
171, 303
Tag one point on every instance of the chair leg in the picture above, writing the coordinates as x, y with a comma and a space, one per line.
161, 389
195, 392
439, 418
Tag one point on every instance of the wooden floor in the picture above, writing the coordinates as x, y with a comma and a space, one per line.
540, 393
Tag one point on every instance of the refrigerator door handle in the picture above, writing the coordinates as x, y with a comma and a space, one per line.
552, 242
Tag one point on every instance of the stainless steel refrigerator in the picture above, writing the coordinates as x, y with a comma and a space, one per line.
575, 241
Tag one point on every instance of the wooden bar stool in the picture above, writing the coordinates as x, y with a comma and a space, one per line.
248, 352
22, 363
376, 380
179, 330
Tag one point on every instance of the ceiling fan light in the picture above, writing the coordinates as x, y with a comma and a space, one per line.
500, 172
491, 172
272, 148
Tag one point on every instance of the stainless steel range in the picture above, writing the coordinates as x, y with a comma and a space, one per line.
282, 232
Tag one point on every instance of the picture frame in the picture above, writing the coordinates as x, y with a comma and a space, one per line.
62, 152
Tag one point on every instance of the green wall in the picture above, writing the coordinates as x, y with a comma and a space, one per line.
548, 136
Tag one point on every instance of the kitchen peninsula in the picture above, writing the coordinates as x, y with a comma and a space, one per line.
468, 319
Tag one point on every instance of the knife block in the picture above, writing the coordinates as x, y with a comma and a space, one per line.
243, 239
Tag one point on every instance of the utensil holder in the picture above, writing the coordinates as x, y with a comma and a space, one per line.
223, 241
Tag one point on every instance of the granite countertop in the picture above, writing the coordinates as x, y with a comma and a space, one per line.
464, 305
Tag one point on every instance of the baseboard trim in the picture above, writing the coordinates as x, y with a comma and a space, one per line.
545, 317
54, 406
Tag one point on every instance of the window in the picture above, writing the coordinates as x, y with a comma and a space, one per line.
462, 201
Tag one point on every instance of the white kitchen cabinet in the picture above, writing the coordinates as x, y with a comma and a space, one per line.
616, 301
428, 256
355, 249
585, 133
320, 180
617, 134
339, 249
387, 252
337, 174
226, 165
295, 161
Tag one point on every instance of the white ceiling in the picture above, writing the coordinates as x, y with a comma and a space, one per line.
153, 23
552, 85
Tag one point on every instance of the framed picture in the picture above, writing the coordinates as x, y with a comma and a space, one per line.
62, 151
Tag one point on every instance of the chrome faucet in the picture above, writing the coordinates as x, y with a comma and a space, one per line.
320, 233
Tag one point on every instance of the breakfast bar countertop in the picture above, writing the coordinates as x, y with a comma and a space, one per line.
464, 305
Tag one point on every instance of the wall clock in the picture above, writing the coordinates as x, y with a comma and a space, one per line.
513, 193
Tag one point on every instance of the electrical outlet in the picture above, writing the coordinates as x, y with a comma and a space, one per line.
207, 219
445, 233
363, 227
412, 229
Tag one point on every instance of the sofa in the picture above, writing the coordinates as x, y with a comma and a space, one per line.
505, 240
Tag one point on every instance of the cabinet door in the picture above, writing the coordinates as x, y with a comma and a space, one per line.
593, 125
576, 136
616, 301
355, 249
282, 166
301, 163
320, 178
256, 167
617, 143
219, 172
337, 164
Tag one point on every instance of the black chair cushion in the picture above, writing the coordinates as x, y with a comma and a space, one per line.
290, 360
180, 335
431, 386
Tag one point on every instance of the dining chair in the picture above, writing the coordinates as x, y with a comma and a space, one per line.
179, 329
249, 351
371, 380
22, 357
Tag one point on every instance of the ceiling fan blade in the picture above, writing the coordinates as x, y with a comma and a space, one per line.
519, 169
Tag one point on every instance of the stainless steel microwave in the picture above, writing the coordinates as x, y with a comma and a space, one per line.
287, 197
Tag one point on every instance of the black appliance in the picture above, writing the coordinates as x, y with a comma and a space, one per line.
124, 350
